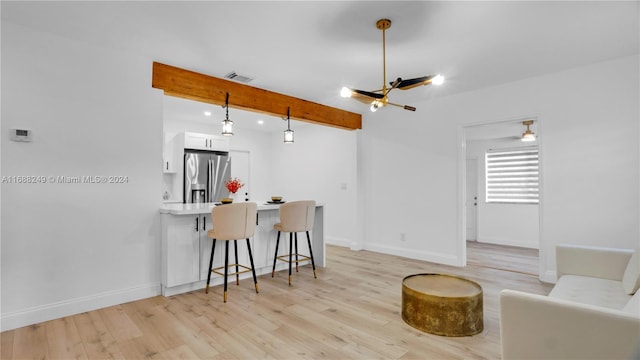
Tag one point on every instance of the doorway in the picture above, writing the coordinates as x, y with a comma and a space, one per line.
240, 168
488, 225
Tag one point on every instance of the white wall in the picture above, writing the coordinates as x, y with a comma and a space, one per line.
502, 224
67, 248
588, 135
320, 165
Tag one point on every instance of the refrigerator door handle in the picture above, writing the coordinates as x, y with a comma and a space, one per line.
197, 218
210, 181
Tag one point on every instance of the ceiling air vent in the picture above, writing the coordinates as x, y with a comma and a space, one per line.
236, 77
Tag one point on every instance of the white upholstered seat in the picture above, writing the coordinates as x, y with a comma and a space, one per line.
232, 222
295, 216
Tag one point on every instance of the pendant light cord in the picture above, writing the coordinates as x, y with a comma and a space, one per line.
226, 105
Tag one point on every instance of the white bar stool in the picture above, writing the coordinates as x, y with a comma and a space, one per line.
232, 222
295, 216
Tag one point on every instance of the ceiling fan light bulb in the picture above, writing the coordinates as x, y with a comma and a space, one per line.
437, 80
374, 107
528, 136
345, 92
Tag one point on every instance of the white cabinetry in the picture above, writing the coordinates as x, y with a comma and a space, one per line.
168, 159
180, 248
199, 141
263, 250
169, 154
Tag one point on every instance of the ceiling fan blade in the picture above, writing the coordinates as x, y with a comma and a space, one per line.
366, 97
370, 94
411, 83
406, 107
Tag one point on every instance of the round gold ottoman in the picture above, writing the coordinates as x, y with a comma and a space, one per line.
442, 304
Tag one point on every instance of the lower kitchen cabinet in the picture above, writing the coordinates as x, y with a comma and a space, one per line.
182, 240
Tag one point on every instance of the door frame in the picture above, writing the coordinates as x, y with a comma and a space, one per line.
476, 161
461, 243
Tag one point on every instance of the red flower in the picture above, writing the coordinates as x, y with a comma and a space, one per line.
233, 185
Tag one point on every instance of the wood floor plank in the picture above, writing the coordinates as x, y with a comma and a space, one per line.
97, 340
6, 344
30, 342
351, 311
119, 323
64, 340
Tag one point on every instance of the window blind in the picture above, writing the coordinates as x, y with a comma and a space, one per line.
512, 176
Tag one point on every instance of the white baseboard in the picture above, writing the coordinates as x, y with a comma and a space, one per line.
507, 242
60, 309
417, 255
338, 241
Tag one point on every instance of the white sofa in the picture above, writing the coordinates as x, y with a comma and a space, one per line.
592, 312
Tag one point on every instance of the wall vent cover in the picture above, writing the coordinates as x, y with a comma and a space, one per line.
236, 77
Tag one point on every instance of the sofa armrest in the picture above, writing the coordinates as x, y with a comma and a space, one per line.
539, 327
600, 262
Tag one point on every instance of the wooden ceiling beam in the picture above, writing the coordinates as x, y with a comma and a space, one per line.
199, 87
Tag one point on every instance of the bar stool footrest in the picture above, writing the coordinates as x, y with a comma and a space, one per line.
301, 258
245, 269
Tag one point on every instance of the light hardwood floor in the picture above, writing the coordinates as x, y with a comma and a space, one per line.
352, 311
503, 257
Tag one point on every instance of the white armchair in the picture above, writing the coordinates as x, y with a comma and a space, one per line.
590, 313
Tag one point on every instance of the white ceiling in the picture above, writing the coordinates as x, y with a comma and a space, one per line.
310, 49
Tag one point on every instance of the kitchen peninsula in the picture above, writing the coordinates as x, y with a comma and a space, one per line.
186, 248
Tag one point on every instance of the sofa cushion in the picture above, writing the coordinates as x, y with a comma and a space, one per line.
633, 306
631, 277
589, 290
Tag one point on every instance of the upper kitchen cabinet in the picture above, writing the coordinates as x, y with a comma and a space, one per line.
174, 146
168, 155
199, 141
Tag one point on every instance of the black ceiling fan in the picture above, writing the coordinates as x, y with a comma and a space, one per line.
378, 98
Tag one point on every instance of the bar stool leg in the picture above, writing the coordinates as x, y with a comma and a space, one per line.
275, 257
235, 248
296, 240
313, 264
290, 254
226, 267
213, 248
253, 269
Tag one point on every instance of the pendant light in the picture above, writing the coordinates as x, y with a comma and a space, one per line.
227, 125
288, 134
528, 135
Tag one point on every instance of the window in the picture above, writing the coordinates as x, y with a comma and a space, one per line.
512, 176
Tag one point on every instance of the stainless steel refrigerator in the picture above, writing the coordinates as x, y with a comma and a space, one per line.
205, 173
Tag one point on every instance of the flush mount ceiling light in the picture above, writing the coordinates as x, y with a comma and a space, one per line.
288, 134
227, 125
378, 98
528, 135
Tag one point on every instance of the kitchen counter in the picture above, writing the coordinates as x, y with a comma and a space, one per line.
205, 208
186, 248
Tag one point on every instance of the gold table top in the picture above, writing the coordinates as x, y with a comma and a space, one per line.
442, 285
